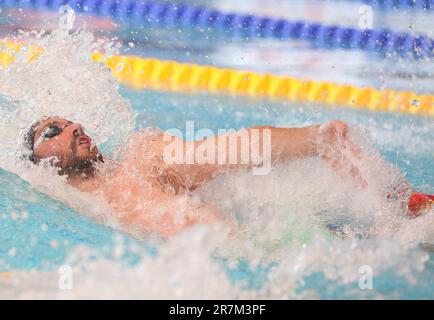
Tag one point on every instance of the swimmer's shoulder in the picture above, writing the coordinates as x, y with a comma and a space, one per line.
147, 135
145, 143
153, 136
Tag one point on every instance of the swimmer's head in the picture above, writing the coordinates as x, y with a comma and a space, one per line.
64, 143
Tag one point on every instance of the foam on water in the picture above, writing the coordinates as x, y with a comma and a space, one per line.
185, 269
285, 217
303, 199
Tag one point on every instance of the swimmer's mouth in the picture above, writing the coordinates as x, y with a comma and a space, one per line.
84, 140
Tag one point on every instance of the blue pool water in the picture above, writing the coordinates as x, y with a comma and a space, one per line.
39, 233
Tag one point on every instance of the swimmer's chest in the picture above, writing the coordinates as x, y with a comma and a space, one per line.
131, 185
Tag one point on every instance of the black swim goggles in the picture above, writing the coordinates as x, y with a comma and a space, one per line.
53, 130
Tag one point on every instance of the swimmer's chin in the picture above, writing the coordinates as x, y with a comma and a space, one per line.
88, 151
82, 167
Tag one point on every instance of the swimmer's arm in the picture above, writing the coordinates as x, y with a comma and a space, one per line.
291, 143
275, 145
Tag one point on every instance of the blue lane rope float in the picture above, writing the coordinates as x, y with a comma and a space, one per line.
181, 15
425, 5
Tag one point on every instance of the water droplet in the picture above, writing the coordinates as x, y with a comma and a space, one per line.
12, 252
415, 103
24, 214
53, 243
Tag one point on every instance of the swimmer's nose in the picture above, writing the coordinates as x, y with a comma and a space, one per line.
77, 129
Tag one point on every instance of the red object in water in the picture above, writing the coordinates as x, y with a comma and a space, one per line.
419, 202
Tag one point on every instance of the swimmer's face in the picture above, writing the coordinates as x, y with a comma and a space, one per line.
66, 143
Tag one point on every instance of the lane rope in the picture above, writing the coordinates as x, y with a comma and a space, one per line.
166, 14
185, 77
425, 5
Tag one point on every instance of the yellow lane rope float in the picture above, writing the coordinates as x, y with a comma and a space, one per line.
185, 77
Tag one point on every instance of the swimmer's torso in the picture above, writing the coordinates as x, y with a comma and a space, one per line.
142, 186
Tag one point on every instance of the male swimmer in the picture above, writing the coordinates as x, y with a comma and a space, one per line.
154, 195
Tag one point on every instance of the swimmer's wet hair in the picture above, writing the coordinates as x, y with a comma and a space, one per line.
29, 142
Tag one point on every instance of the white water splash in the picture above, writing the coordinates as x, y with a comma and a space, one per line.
184, 269
63, 82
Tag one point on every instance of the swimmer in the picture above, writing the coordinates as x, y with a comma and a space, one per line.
149, 193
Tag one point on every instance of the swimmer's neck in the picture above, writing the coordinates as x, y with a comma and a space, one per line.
86, 182
88, 178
